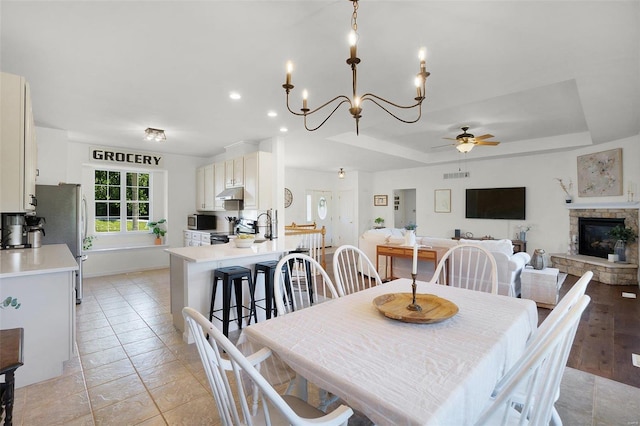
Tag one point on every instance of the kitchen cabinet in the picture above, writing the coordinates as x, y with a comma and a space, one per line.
205, 195
218, 185
258, 181
234, 172
43, 281
17, 146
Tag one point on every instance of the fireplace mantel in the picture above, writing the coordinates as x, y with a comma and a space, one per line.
620, 205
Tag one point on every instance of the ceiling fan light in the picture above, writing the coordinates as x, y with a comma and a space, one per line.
464, 147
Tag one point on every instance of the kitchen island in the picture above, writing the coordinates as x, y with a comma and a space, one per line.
43, 281
192, 269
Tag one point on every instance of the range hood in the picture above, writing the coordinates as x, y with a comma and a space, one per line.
231, 194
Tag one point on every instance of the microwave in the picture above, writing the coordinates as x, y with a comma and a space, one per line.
201, 221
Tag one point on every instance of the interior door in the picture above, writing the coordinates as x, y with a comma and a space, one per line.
320, 211
345, 229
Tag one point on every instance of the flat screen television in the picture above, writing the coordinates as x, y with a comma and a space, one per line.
496, 203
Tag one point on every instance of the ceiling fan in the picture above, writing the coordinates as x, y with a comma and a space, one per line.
466, 141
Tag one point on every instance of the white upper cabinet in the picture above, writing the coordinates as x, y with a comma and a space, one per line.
218, 185
234, 172
205, 188
258, 181
18, 154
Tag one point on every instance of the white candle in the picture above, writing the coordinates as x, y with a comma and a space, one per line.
415, 259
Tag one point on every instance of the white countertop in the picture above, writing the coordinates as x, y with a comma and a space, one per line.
227, 251
43, 260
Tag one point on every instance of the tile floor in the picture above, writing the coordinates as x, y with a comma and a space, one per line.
134, 369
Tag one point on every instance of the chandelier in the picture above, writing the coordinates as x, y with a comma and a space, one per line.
355, 101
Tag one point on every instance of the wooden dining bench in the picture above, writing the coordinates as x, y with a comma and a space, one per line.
10, 359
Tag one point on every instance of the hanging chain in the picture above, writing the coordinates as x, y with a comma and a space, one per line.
354, 17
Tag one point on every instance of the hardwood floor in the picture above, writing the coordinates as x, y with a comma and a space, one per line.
608, 334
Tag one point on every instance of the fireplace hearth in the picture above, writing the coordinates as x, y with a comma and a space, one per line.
593, 235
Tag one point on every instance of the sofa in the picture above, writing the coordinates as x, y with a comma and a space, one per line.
509, 264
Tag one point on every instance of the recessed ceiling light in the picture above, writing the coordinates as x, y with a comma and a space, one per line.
234, 95
272, 114
284, 129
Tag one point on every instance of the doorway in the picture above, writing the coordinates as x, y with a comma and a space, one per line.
404, 207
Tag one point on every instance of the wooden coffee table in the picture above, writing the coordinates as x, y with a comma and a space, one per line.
430, 254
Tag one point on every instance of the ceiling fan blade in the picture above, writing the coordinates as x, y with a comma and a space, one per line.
442, 146
487, 136
490, 143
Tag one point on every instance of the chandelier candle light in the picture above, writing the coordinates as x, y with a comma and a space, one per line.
355, 102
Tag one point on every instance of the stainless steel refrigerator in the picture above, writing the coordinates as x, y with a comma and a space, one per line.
64, 210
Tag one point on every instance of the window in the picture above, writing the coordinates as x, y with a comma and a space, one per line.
121, 201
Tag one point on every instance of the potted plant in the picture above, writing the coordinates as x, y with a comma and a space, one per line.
379, 222
623, 236
158, 228
410, 235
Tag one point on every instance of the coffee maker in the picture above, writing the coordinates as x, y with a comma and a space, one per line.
13, 231
35, 231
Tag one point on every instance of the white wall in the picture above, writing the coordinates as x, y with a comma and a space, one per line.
546, 208
60, 160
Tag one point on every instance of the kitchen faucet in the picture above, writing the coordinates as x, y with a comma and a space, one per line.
269, 233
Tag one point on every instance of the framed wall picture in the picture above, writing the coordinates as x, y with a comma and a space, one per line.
442, 201
600, 174
380, 200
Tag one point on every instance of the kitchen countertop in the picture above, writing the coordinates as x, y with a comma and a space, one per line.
42, 260
227, 251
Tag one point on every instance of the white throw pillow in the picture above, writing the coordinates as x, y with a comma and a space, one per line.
500, 246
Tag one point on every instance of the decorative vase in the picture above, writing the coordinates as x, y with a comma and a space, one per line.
410, 238
620, 250
538, 260
523, 235
568, 199
158, 241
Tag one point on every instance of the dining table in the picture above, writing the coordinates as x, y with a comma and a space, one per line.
397, 372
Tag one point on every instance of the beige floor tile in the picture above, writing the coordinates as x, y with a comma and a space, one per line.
96, 333
142, 346
136, 335
50, 391
52, 412
91, 325
153, 358
129, 326
108, 372
172, 338
115, 391
123, 318
179, 392
163, 374
153, 421
97, 359
201, 411
97, 345
130, 411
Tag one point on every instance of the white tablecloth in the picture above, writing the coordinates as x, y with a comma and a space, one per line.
398, 373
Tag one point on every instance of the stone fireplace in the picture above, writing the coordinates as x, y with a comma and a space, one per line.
588, 228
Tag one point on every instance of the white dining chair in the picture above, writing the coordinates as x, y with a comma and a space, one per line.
468, 266
248, 399
299, 282
546, 328
353, 270
527, 395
